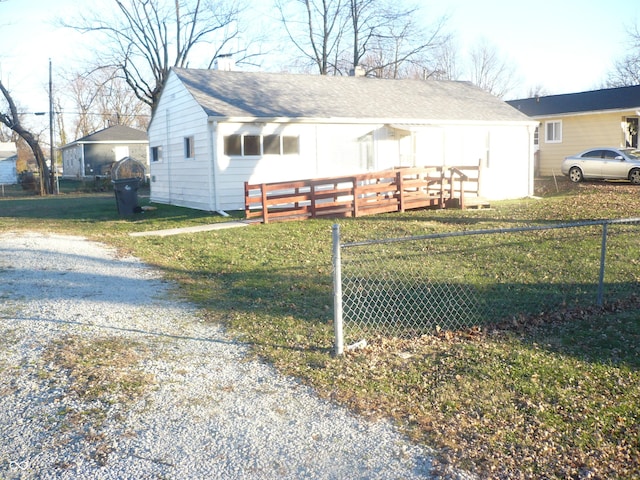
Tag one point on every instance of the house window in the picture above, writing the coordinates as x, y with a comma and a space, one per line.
256, 145
290, 145
251, 145
156, 154
271, 144
233, 145
553, 132
536, 136
189, 151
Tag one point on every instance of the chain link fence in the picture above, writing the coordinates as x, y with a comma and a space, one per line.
406, 287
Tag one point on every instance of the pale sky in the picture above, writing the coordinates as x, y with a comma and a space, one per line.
566, 46
563, 45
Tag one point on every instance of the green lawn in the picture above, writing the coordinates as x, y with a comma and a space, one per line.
556, 396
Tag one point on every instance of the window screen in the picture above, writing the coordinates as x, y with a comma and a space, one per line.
233, 145
251, 145
271, 144
290, 145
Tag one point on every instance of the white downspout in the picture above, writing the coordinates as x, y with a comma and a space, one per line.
169, 160
83, 172
532, 167
213, 169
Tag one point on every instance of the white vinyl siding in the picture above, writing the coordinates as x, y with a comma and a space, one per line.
178, 180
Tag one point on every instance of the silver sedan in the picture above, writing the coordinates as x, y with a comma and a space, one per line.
603, 163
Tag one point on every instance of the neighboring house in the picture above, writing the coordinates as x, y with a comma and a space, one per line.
213, 130
575, 122
94, 154
8, 161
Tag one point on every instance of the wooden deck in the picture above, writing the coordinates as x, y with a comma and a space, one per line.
395, 190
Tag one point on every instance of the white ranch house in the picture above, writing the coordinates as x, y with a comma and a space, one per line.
213, 130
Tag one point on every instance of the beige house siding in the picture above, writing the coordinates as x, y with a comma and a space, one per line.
580, 132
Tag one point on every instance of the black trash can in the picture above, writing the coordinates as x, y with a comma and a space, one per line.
126, 190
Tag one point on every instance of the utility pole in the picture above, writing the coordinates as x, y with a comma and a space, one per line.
54, 183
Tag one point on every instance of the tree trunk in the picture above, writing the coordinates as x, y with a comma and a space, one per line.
45, 185
12, 120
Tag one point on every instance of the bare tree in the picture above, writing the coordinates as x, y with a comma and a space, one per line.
101, 99
626, 70
447, 64
490, 71
315, 28
366, 20
11, 118
340, 35
390, 41
148, 37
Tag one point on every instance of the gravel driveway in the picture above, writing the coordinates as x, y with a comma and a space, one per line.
213, 412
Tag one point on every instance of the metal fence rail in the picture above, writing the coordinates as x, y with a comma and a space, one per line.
410, 286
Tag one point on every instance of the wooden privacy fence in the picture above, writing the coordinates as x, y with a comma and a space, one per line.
394, 190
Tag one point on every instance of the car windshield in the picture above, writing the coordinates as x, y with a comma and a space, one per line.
632, 154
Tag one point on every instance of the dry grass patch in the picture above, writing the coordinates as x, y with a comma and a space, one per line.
103, 369
95, 375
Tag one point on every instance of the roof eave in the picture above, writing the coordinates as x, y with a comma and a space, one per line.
367, 121
588, 112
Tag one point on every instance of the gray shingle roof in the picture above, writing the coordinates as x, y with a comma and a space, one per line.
117, 133
234, 94
592, 101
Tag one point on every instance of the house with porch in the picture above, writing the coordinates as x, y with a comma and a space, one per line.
214, 130
574, 122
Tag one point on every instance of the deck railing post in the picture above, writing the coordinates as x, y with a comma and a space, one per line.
247, 206
442, 180
265, 207
355, 196
400, 190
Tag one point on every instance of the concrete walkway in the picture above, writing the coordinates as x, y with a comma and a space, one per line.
194, 229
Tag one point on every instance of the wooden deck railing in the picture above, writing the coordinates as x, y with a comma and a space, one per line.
393, 190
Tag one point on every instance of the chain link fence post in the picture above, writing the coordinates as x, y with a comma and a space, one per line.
603, 257
337, 292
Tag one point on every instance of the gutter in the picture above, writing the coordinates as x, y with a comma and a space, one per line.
414, 122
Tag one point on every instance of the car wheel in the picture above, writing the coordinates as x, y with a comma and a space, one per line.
575, 175
634, 176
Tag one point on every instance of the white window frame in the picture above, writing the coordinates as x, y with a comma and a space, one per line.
557, 131
284, 146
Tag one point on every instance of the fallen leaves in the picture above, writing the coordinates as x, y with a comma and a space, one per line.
507, 401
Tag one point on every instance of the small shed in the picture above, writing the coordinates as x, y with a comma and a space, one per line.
213, 130
8, 162
95, 154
